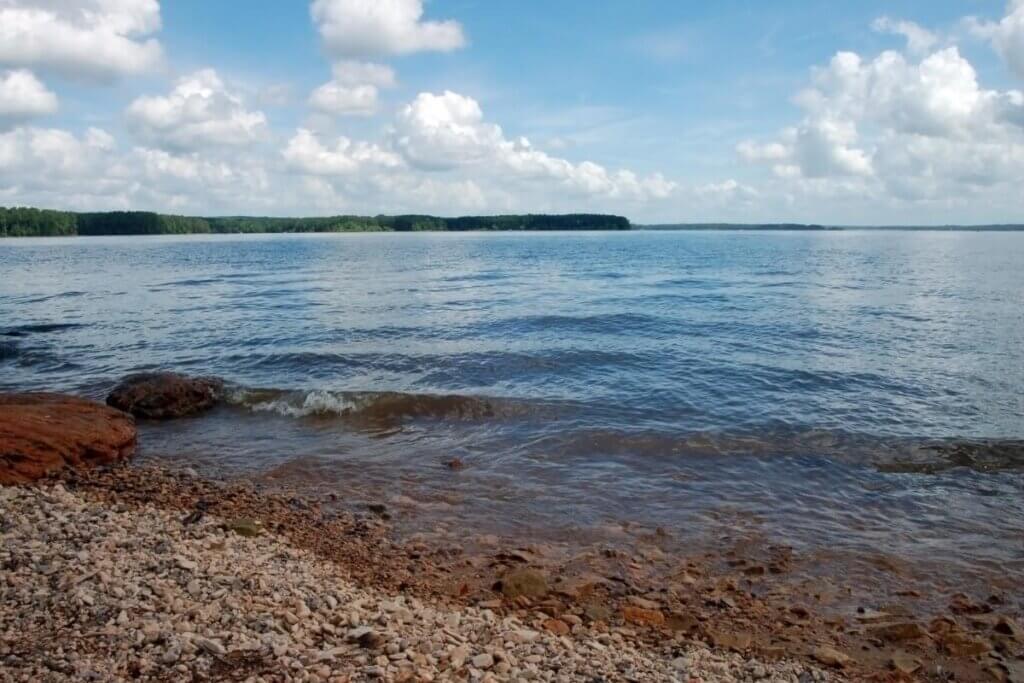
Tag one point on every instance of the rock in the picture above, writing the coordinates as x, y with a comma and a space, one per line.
41, 434
904, 663
557, 626
642, 617
830, 656
898, 632
483, 661
165, 395
528, 583
960, 644
454, 464
596, 612
737, 642
1008, 627
245, 526
643, 603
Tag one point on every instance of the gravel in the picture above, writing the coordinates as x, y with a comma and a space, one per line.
90, 592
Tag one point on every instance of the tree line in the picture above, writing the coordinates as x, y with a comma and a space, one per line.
29, 222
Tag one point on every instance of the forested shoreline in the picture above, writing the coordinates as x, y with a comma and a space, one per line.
30, 222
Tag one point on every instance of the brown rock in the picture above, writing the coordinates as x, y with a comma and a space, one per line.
41, 434
738, 641
1008, 627
165, 395
830, 656
683, 623
898, 632
524, 582
596, 612
960, 644
557, 626
904, 663
643, 617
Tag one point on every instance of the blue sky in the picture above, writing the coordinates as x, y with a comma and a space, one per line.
869, 112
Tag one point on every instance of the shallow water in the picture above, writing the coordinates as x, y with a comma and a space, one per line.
847, 393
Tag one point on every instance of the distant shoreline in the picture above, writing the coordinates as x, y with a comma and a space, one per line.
791, 227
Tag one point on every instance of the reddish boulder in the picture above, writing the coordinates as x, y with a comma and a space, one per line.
41, 434
165, 395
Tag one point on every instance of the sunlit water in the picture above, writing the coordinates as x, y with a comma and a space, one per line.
849, 392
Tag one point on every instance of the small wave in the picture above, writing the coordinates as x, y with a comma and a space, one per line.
387, 408
40, 328
8, 350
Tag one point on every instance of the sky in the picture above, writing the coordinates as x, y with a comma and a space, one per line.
896, 112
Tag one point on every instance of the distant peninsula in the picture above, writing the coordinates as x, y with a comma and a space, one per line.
30, 222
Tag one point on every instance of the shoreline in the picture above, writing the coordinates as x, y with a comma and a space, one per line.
725, 611
106, 579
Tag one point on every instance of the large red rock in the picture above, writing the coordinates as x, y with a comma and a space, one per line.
41, 434
165, 395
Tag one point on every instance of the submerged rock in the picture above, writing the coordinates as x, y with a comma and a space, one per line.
41, 434
165, 395
528, 583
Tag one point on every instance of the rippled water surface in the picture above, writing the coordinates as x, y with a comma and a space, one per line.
855, 392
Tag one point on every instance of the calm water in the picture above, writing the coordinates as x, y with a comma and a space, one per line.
858, 392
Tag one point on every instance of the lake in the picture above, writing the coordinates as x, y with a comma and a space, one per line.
849, 394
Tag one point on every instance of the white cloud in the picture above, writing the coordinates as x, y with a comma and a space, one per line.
97, 39
23, 97
919, 40
895, 129
353, 90
307, 154
371, 28
200, 111
448, 131
1007, 35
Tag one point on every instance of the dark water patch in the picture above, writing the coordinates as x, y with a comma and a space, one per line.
608, 323
38, 328
8, 349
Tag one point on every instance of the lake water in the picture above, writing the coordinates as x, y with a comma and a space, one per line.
845, 393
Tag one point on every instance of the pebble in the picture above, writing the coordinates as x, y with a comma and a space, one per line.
277, 605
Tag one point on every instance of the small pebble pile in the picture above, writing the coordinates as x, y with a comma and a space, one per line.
94, 593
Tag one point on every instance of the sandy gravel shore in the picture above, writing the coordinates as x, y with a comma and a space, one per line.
97, 591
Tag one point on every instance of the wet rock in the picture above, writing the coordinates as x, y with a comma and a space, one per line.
528, 583
41, 434
904, 663
454, 464
642, 617
898, 632
829, 656
245, 526
165, 395
1008, 627
737, 642
959, 644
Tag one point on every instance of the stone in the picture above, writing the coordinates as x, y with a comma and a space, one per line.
165, 395
898, 632
642, 617
960, 644
735, 641
528, 583
557, 626
483, 661
829, 656
904, 663
596, 612
245, 526
43, 434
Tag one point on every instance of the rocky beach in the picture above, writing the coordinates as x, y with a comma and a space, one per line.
115, 570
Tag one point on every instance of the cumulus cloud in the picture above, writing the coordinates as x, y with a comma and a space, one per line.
448, 131
919, 40
1007, 35
200, 111
23, 97
307, 154
909, 129
97, 39
374, 28
353, 90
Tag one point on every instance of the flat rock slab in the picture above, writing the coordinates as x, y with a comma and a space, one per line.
165, 395
42, 434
